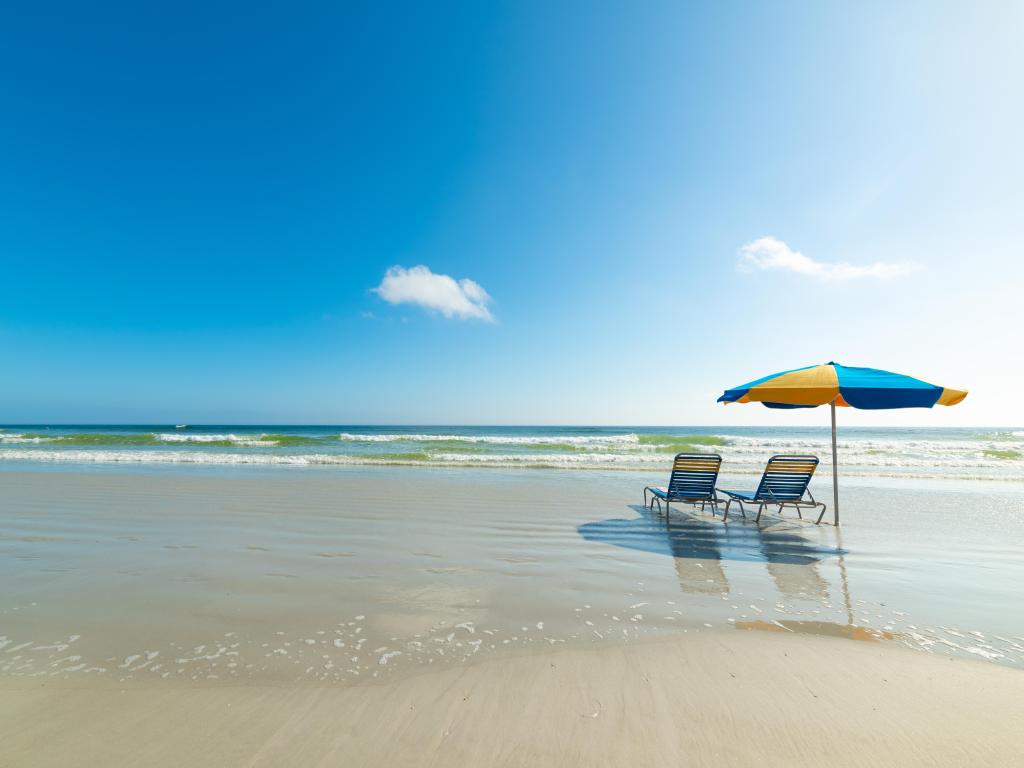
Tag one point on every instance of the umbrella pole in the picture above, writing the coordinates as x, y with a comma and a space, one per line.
835, 469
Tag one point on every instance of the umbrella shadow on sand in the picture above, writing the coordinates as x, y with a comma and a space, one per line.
690, 538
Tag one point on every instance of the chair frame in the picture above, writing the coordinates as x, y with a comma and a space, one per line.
702, 498
763, 496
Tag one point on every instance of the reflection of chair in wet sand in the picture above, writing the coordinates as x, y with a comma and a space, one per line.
694, 545
792, 562
799, 581
700, 545
703, 577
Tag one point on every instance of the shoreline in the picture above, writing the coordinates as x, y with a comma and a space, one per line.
722, 698
940, 454
658, 473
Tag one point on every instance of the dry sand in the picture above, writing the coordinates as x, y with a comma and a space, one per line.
722, 698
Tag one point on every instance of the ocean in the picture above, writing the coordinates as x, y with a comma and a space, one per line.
925, 453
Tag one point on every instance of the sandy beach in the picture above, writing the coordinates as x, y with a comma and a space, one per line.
402, 617
723, 699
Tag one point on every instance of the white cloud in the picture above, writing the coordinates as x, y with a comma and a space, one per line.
771, 253
418, 285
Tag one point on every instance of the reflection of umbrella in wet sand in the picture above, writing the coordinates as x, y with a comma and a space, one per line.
820, 628
800, 581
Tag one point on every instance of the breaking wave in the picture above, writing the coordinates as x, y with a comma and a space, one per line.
156, 439
958, 454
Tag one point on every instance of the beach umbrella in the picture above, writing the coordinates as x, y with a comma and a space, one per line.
833, 384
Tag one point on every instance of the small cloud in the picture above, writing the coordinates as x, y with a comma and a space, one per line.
367, 315
452, 298
771, 253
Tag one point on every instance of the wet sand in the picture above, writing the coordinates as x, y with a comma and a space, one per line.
721, 699
401, 617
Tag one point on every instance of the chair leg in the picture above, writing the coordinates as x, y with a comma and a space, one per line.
725, 514
821, 515
760, 509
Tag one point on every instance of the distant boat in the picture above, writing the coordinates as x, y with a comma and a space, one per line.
180, 426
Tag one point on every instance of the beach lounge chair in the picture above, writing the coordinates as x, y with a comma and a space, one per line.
692, 481
784, 484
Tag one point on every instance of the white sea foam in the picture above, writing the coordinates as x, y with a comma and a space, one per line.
580, 440
239, 440
5, 438
243, 441
967, 470
881, 453
983, 455
582, 460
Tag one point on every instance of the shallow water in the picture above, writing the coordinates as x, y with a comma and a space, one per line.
335, 575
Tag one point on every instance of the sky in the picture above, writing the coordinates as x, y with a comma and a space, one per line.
505, 213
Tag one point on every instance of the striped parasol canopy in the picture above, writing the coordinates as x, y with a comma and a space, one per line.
843, 385
834, 384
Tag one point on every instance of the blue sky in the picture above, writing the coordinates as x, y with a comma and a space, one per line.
199, 201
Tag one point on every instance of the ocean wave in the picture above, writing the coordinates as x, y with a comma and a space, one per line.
851, 442
18, 439
965, 455
1002, 434
657, 443
583, 440
591, 461
725, 444
1002, 454
303, 459
157, 439
243, 441
872, 451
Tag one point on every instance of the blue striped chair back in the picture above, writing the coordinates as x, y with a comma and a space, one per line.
694, 475
786, 478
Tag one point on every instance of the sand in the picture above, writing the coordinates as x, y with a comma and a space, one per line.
186, 618
718, 698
